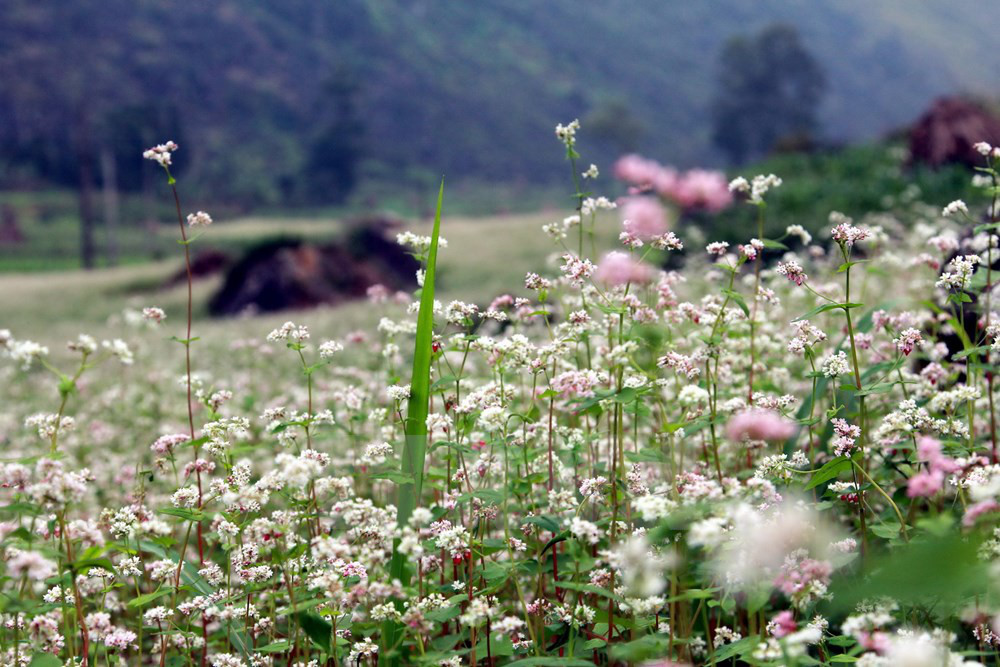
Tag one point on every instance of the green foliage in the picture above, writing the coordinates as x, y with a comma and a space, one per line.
856, 181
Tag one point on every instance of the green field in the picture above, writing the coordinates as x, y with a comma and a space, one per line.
485, 257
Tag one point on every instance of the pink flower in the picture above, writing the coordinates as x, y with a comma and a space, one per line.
665, 182
782, 624
166, 443
643, 217
637, 170
907, 340
759, 425
618, 268
700, 188
120, 639
875, 641
848, 234
798, 574
845, 435
924, 484
576, 383
694, 189
928, 448
793, 271
977, 510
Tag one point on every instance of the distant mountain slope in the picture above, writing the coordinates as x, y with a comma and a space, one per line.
471, 89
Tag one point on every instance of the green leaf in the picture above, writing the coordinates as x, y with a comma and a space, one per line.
627, 395
87, 563
189, 573
829, 471
878, 388
886, 531
301, 605
965, 353
189, 515
825, 307
738, 298
66, 385
238, 639
553, 662
20, 508
695, 594
145, 599
494, 572
318, 630
489, 495
647, 455
942, 571
847, 265
45, 660
275, 647
548, 523
986, 226
640, 650
415, 426
446, 381
417, 406
736, 648
588, 588
400, 478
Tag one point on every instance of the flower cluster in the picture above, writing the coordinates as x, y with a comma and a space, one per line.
759, 455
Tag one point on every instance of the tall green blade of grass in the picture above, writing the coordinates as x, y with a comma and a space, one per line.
418, 405
415, 426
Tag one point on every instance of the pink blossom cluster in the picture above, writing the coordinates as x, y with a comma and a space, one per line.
692, 189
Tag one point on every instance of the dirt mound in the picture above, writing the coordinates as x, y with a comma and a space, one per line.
293, 274
10, 229
204, 263
948, 130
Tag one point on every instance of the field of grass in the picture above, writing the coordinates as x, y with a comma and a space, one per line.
49, 221
485, 257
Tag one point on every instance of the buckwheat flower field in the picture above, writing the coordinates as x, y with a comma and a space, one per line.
778, 452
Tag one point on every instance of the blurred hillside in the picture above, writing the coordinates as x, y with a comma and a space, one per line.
298, 101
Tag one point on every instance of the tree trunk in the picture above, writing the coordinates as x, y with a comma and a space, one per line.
109, 193
85, 191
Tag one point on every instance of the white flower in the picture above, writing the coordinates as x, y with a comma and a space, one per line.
800, 231
954, 208
26, 351
398, 392
289, 331
119, 348
756, 188
329, 348
585, 531
160, 153
363, 649
154, 314
567, 133
199, 219
835, 364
